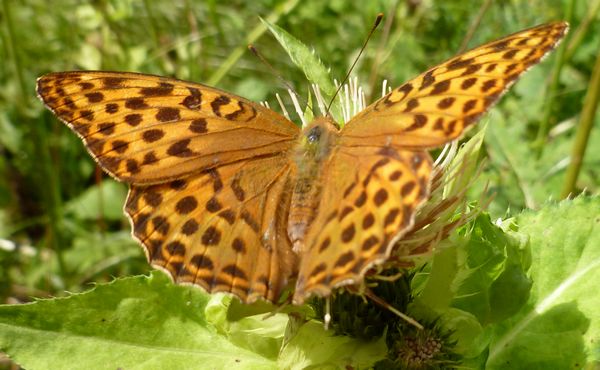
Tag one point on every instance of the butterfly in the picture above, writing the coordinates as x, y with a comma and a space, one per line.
231, 196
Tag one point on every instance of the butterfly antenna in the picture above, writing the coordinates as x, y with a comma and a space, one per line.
375, 25
276, 74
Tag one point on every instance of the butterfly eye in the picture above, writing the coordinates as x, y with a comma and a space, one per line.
314, 134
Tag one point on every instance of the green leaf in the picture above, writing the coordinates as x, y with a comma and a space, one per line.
559, 328
311, 347
101, 201
437, 293
463, 166
94, 252
511, 157
261, 333
133, 323
304, 58
470, 337
491, 260
483, 273
477, 281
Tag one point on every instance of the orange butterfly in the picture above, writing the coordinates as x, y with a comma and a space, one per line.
233, 197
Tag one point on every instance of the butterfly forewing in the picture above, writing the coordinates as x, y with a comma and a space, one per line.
146, 129
437, 106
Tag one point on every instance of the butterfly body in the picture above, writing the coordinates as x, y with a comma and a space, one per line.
230, 196
312, 155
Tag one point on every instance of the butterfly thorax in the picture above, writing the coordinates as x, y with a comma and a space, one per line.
312, 154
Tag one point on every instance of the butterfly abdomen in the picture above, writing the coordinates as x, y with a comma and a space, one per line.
311, 157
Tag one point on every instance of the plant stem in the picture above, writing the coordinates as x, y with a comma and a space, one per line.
381, 49
153, 25
260, 28
581, 31
102, 7
155, 30
11, 40
484, 7
46, 178
586, 121
548, 119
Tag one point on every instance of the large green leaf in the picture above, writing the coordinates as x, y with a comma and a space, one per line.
148, 322
559, 328
132, 323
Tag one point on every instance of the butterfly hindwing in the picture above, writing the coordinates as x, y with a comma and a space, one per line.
369, 200
223, 229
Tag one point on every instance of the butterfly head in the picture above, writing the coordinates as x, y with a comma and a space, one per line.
319, 136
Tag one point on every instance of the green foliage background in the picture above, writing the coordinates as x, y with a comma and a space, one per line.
61, 225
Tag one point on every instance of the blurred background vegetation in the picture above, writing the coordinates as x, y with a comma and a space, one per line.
61, 224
